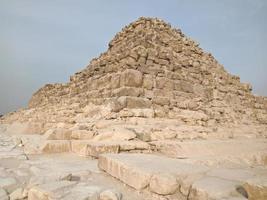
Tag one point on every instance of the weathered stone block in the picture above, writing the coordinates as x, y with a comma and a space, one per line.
94, 149
163, 183
82, 134
132, 78
164, 83
161, 101
127, 91
148, 82
55, 146
137, 102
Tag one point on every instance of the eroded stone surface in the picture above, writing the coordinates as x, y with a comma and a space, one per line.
256, 187
136, 170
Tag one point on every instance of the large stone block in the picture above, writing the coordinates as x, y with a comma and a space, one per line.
136, 170
131, 175
137, 102
148, 82
94, 149
55, 146
161, 100
164, 184
164, 83
127, 91
115, 81
82, 134
213, 188
58, 134
114, 133
132, 78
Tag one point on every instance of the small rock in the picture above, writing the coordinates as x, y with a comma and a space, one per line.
17, 194
256, 188
110, 195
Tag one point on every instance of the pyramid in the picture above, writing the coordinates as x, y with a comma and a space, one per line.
155, 112
150, 71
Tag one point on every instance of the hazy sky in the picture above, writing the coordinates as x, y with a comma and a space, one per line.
47, 41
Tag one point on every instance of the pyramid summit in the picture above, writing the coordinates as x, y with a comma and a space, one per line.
156, 112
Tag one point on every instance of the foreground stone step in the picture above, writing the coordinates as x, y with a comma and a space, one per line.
94, 149
167, 176
251, 151
143, 170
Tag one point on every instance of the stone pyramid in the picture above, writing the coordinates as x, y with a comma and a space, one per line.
155, 112
150, 70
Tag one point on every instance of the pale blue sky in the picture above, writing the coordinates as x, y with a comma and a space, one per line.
47, 41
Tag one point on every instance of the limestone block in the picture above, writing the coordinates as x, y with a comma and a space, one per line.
163, 135
186, 86
127, 91
212, 188
136, 170
133, 145
164, 83
256, 188
114, 133
137, 102
129, 174
132, 78
148, 82
118, 104
164, 184
145, 112
58, 134
96, 148
82, 134
161, 101
55, 146
79, 146
115, 81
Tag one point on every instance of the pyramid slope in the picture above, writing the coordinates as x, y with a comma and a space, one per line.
152, 70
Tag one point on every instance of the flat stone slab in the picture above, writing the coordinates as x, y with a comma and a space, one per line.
136, 170
250, 151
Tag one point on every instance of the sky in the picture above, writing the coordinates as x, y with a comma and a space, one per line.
47, 41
